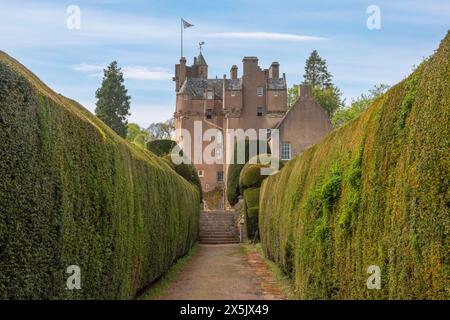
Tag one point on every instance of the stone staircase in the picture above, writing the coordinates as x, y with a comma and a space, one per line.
218, 227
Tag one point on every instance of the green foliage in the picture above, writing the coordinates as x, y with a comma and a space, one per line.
113, 103
137, 135
330, 98
345, 114
373, 192
251, 176
251, 196
73, 192
252, 222
234, 171
316, 71
161, 147
187, 171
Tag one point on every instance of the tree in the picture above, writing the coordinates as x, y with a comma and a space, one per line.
113, 103
330, 98
324, 91
316, 71
137, 135
161, 130
358, 105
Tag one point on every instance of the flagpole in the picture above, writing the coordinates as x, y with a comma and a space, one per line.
181, 27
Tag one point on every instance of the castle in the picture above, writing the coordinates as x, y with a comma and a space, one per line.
257, 100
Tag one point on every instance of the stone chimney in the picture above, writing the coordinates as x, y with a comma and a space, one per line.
305, 91
233, 72
250, 64
274, 71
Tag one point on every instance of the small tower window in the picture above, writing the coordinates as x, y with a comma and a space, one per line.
219, 176
259, 111
260, 91
233, 93
200, 173
208, 113
210, 95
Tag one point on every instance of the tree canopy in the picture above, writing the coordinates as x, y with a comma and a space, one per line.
113, 103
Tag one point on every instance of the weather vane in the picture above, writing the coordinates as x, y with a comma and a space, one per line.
200, 45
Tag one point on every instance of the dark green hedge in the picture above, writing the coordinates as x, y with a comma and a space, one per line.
374, 192
234, 170
72, 192
161, 147
187, 171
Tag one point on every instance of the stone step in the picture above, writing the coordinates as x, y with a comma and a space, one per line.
218, 227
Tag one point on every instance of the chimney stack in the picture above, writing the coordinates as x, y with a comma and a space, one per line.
305, 91
233, 72
274, 71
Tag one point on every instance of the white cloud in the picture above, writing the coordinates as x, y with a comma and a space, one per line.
144, 73
129, 72
265, 36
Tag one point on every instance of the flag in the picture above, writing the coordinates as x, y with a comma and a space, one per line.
186, 24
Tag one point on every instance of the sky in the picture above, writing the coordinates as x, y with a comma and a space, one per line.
144, 38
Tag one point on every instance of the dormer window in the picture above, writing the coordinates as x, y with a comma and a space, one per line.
260, 91
210, 95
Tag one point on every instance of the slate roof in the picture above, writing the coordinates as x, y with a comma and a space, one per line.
276, 84
197, 86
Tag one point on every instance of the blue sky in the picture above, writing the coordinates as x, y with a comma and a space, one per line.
144, 37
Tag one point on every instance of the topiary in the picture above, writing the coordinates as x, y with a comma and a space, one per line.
234, 170
251, 197
251, 173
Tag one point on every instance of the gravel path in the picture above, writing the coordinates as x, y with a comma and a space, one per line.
223, 272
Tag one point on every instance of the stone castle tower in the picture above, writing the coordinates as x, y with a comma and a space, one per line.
257, 100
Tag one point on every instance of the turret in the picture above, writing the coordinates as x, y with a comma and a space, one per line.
202, 67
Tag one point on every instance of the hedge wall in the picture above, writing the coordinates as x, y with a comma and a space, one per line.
161, 147
72, 192
374, 192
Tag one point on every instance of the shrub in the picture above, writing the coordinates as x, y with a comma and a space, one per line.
373, 192
252, 222
234, 170
251, 197
161, 147
72, 192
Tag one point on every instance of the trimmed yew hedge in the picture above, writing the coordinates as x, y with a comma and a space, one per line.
72, 192
161, 147
374, 192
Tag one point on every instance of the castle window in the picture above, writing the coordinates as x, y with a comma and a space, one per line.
260, 91
200, 173
285, 151
208, 113
218, 152
219, 176
210, 95
259, 111
233, 93
275, 93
